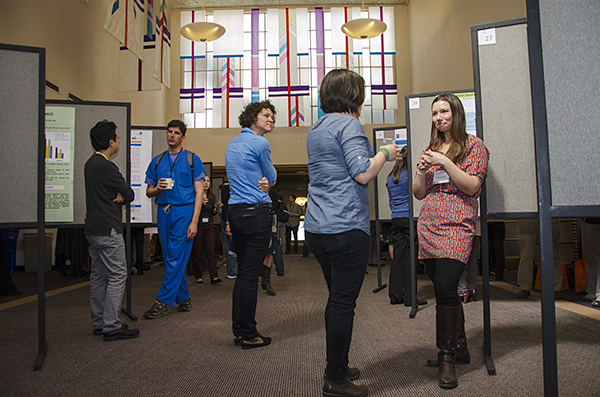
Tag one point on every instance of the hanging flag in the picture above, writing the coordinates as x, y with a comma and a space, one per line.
125, 22
162, 60
136, 74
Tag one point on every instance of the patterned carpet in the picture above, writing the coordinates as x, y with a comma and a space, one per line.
192, 354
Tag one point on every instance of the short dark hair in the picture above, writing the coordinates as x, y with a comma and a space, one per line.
342, 91
293, 195
102, 133
178, 123
250, 113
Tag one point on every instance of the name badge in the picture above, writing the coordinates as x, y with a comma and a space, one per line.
204, 220
440, 176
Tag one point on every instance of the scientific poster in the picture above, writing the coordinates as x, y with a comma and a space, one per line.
141, 155
468, 101
60, 136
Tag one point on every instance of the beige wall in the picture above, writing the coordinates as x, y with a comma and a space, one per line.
433, 47
81, 57
440, 39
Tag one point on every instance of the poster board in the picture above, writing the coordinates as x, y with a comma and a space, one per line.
87, 114
22, 85
418, 118
504, 117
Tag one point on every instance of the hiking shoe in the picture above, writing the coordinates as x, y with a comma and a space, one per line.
185, 306
121, 333
157, 310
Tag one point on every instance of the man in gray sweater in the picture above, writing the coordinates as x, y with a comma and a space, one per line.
105, 192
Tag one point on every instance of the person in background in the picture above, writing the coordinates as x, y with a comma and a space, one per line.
106, 191
283, 216
449, 176
400, 289
590, 232
295, 212
230, 259
250, 173
206, 236
340, 164
176, 179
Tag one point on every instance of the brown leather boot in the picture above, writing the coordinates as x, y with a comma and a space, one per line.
266, 281
447, 324
343, 388
462, 351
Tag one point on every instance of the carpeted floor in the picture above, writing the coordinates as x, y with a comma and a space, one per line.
192, 354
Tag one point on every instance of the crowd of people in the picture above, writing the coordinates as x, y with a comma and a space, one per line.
257, 226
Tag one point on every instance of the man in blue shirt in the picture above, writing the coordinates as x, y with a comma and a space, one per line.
178, 189
250, 173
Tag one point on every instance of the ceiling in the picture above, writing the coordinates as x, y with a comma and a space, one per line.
211, 4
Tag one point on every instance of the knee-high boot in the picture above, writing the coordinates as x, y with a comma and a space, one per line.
447, 325
462, 352
266, 281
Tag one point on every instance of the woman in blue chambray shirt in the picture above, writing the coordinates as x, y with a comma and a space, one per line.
340, 164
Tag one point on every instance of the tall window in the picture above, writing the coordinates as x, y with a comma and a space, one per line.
282, 55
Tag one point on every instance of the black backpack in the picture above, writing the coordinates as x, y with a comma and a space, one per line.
282, 214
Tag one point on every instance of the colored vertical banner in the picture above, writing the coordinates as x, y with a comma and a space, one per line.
255, 45
320, 40
162, 55
125, 22
60, 136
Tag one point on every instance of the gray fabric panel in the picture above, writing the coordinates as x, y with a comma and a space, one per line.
571, 38
19, 129
507, 122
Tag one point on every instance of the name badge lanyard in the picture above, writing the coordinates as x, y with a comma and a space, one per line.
172, 165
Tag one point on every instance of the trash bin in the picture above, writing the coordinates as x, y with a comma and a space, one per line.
30, 252
10, 241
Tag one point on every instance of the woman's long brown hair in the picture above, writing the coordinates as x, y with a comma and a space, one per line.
399, 165
458, 130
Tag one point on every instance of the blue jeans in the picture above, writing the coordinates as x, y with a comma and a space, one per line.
230, 261
251, 230
343, 260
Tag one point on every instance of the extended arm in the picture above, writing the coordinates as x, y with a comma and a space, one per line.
377, 163
193, 227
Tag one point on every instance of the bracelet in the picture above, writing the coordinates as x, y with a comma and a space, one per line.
385, 152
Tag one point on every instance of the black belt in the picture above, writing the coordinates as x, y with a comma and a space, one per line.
248, 206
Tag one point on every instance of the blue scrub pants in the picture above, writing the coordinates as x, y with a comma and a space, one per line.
176, 248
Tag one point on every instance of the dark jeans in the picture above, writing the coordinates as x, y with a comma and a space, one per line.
343, 260
278, 255
288, 238
445, 274
251, 230
496, 234
400, 286
206, 237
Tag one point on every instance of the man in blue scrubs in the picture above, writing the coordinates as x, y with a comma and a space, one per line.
250, 173
178, 189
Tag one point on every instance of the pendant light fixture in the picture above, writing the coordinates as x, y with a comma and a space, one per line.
202, 31
364, 28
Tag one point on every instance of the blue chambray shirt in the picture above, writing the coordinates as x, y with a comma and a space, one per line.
338, 150
248, 160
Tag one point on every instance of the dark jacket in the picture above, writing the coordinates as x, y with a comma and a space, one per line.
102, 183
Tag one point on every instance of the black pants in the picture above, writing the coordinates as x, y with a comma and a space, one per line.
251, 230
400, 285
343, 260
288, 238
445, 274
496, 234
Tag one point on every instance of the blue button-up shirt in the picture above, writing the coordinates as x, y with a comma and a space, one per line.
248, 160
338, 151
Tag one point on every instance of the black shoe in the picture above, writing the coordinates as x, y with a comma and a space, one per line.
523, 294
395, 301
237, 340
140, 272
258, 341
499, 277
122, 333
280, 274
98, 332
420, 302
215, 280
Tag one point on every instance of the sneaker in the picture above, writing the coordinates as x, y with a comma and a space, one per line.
596, 303
122, 333
185, 306
523, 294
231, 277
258, 341
157, 310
